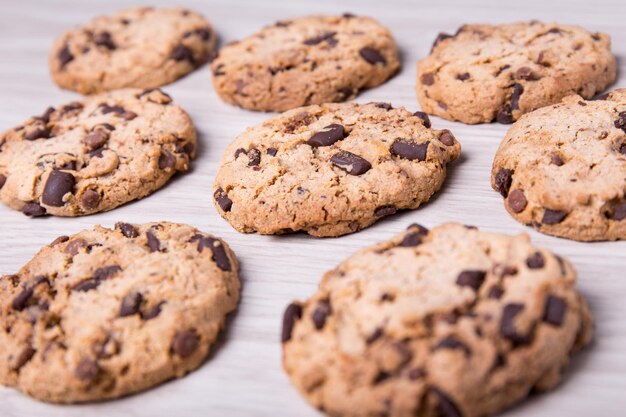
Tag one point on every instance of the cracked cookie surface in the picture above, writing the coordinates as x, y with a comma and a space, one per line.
140, 47
304, 61
94, 155
562, 168
332, 169
108, 312
448, 322
485, 73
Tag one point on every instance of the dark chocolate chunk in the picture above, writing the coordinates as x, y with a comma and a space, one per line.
222, 200
104, 39
495, 292
87, 370
440, 37
327, 36
254, 157
130, 304
507, 325
471, 278
38, 133
463, 77
619, 213
153, 242
33, 210
3, 180
535, 261
166, 160
553, 216
385, 211
128, 230
351, 163
322, 310
96, 139
446, 137
428, 78
331, 134
90, 199
425, 119
446, 407
182, 53
554, 310
503, 180
217, 248
372, 56
64, 56
517, 201
153, 312
185, 343
291, 315
451, 342
20, 301
59, 183
408, 149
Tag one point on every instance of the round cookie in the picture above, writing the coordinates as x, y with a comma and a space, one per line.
304, 61
562, 168
92, 156
109, 312
452, 322
331, 169
485, 73
139, 47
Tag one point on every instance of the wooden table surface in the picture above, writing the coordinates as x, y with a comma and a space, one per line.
244, 377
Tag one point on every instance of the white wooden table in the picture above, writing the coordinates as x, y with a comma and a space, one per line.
244, 376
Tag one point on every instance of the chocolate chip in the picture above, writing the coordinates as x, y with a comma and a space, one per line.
554, 30
240, 151
74, 246
446, 407
203, 33
87, 370
182, 53
553, 216
59, 240
385, 211
293, 312
59, 183
104, 39
505, 115
64, 56
408, 149
517, 201
25, 355
535, 261
507, 324
153, 312
130, 304
96, 139
3, 180
86, 285
20, 301
351, 163
463, 77
471, 278
619, 213
90, 199
185, 343
440, 37
383, 105
128, 230
411, 240
106, 272
622, 149
451, 342
425, 119
554, 310
217, 248
345, 93
272, 151
446, 137
327, 36
329, 135
495, 292
380, 377
523, 73
376, 334
556, 159
153, 242
33, 210
518, 89
417, 373
254, 157
320, 313
222, 200
503, 180
428, 78
38, 133
166, 160
372, 56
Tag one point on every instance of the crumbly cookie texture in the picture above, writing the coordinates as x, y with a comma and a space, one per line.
94, 155
562, 169
304, 61
485, 73
140, 47
109, 312
332, 169
448, 322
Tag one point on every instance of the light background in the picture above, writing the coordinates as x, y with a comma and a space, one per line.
244, 376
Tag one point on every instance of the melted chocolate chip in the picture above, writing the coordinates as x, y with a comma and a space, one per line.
351, 163
471, 278
517, 201
553, 216
59, 183
185, 343
503, 180
291, 315
451, 342
153, 242
408, 149
33, 210
222, 200
320, 313
96, 139
128, 230
554, 310
166, 160
372, 56
90, 199
87, 370
216, 246
130, 304
329, 135
425, 119
535, 261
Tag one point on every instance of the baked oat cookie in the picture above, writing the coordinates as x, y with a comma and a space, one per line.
562, 168
303, 61
331, 169
452, 322
140, 47
109, 312
94, 155
499, 72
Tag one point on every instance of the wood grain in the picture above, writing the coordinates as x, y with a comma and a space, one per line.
244, 377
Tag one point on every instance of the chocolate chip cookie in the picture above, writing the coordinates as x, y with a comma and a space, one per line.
331, 169
308, 60
448, 322
94, 155
109, 312
139, 47
562, 168
484, 72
